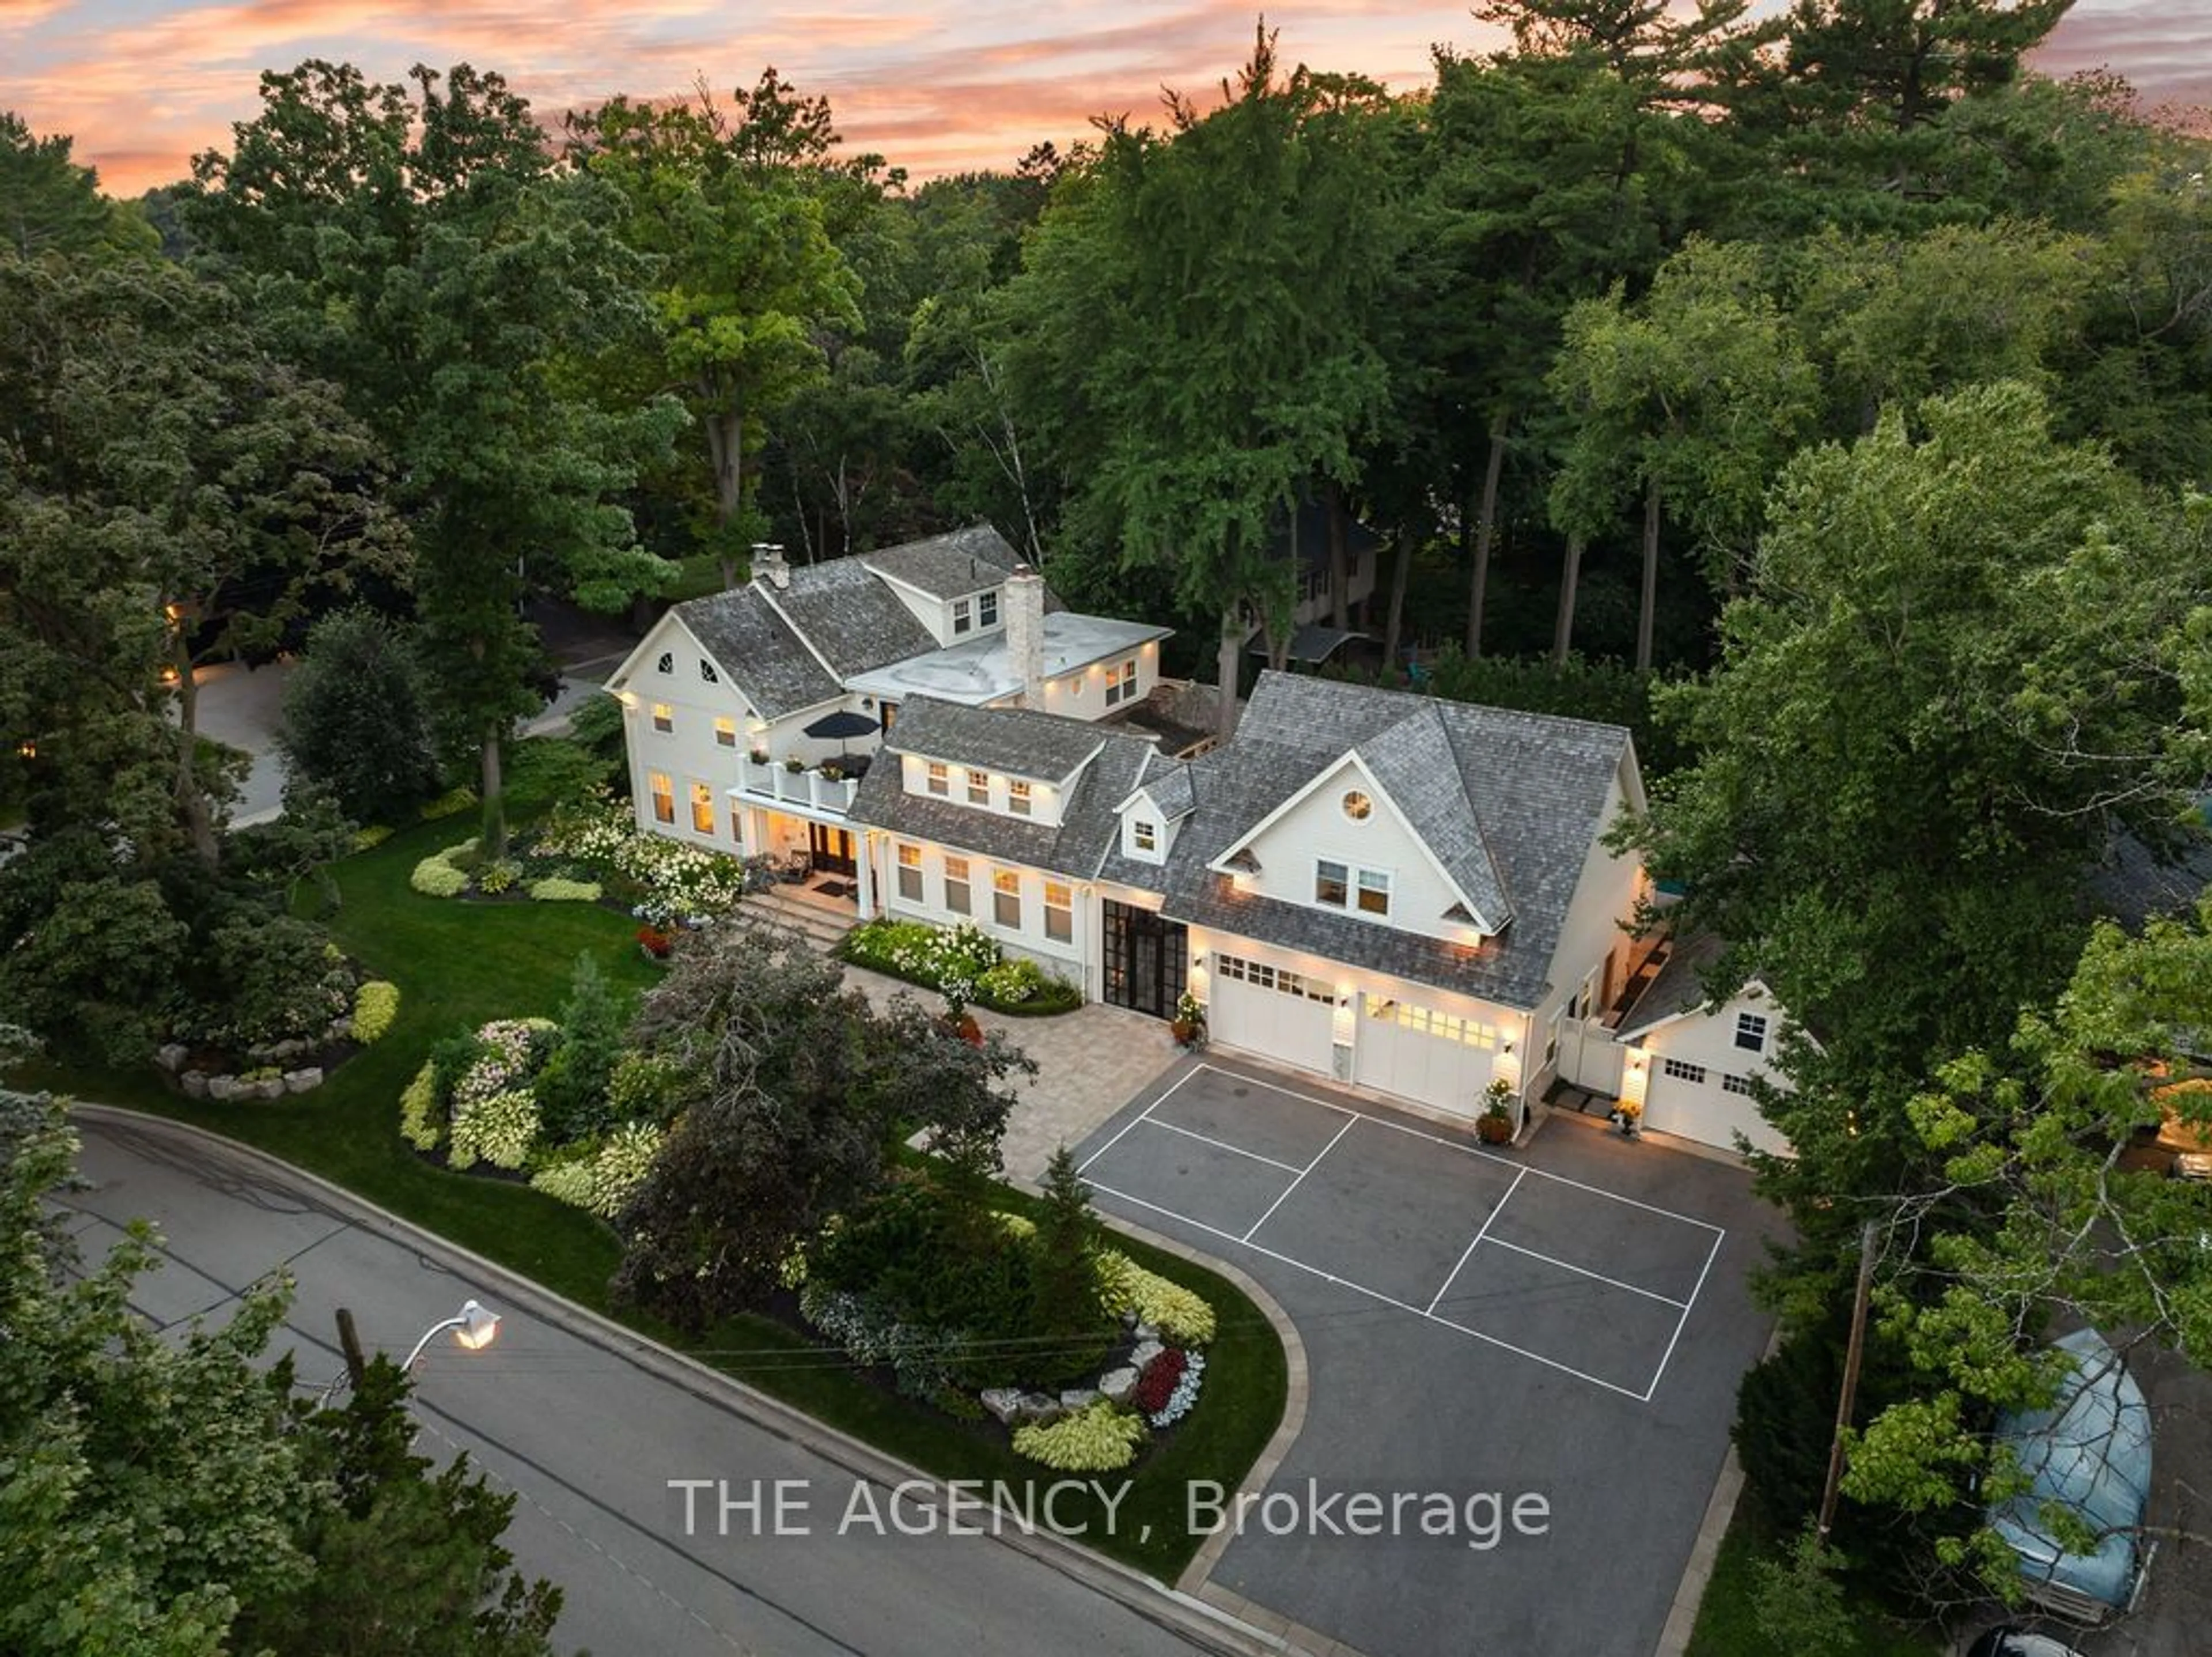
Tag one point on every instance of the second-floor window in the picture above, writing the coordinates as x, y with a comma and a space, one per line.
964, 616
910, 873
726, 733
1121, 682
1332, 884
940, 780
664, 718
1374, 891
1017, 797
979, 788
1751, 1032
1144, 836
987, 610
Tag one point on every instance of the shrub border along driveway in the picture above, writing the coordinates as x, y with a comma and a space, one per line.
461, 963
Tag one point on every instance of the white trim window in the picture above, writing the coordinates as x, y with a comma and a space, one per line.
1751, 1032
910, 873
703, 808
1374, 891
1332, 883
725, 732
1680, 1069
963, 617
955, 884
1121, 682
979, 788
664, 718
1732, 1083
937, 778
1059, 912
1144, 838
986, 608
1017, 796
663, 797
1006, 899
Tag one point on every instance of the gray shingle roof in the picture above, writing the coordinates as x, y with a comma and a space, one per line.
1677, 987
950, 565
1088, 826
848, 615
1168, 782
1018, 741
1534, 785
1414, 762
757, 649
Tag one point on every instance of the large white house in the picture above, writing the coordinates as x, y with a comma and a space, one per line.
1396, 892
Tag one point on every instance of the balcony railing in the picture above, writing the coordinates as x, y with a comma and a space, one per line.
809, 788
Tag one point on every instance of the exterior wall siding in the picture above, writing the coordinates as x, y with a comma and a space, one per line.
1708, 1040
1288, 851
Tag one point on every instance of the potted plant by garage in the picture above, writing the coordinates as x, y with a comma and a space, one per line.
1495, 1125
1188, 1024
1628, 1113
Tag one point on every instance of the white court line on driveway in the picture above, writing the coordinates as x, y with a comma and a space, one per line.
1598, 1276
1208, 1139
1668, 1357
1303, 1172
1468, 1253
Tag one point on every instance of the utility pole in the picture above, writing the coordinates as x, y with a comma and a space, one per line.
350, 1342
1851, 1356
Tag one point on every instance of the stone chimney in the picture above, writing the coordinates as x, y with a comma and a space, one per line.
768, 564
1025, 633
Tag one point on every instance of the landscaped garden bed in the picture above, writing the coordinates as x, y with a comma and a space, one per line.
963, 964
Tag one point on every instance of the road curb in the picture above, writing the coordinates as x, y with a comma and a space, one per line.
1705, 1552
1211, 1625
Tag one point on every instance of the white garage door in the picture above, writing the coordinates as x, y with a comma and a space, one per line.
1700, 1103
1284, 1016
1425, 1054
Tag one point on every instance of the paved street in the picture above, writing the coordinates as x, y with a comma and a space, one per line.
590, 1426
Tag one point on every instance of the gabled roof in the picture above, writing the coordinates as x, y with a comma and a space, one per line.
852, 620
1074, 846
1166, 784
755, 649
948, 566
1535, 787
1415, 763
1019, 742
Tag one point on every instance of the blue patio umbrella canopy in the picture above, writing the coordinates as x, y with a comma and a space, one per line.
841, 727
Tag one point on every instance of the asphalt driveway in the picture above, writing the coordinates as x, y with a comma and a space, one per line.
1555, 1333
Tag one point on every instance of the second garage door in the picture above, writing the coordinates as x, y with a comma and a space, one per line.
1425, 1054
1283, 1015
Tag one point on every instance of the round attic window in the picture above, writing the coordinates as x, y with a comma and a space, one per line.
1357, 806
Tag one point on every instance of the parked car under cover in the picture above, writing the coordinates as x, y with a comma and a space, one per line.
2089, 1451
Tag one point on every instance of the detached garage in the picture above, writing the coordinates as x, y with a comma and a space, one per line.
1697, 1061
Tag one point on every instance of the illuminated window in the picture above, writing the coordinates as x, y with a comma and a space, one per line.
664, 717
1357, 806
1122, 681
1332, 884
663, 797
1374, 891
979, 788
1006, 899
703, 808
939, 783
1017, 797
1145, 835
910, 873
726, 733
1058, 912
955, 885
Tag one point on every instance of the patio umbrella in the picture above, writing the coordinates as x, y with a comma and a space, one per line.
841, 727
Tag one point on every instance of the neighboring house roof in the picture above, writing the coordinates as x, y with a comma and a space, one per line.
1534, 785
979, 670
949, 566
1308, 532
755, 650
2137, 881
1311, 643
853, 621
938, 730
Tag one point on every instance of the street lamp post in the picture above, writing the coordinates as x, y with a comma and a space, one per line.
473, 1328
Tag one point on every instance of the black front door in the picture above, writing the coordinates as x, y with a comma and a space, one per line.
832, 849
1146, 959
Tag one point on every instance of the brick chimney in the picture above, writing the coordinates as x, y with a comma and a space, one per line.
1025, 633
768, 564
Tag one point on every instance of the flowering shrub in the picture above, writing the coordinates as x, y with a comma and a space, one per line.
655, 942
1157, 1384
964, 964
497, 877
509, 1050
555, 889
1184, 1394
452, 803
422, 1124
1096, 1440
499, 1129
375, 1004
922, 1360
679, 882
1168, 1307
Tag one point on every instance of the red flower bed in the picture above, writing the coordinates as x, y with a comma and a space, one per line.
655, 942
1157, 1384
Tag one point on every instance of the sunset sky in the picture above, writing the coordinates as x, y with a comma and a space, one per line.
141, 84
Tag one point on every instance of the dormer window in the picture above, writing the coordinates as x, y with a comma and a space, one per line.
1017, 797
940, 780
963, 617
1146, 836
979, 788
987, 609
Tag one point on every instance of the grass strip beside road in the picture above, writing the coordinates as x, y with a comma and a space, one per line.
460, 964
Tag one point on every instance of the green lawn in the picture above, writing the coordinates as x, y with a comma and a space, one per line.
1729, 1627
459, 964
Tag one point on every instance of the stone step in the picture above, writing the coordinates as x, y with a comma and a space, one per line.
820, 927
